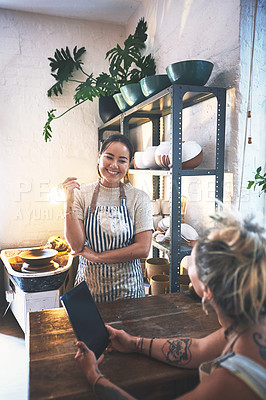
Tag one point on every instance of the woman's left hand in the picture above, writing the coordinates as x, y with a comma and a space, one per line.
87, 253
87, 362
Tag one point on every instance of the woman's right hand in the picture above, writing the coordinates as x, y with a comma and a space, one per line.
121, 341
68, 187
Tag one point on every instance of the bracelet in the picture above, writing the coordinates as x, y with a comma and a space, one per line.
139, 344
150, 347
96, 381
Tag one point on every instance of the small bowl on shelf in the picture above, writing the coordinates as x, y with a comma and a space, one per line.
121, 103
191, 72
153, 84
132, 94
192, 154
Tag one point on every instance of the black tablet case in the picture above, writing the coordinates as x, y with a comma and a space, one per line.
85, 318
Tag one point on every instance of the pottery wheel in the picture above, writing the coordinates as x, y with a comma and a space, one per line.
33, 269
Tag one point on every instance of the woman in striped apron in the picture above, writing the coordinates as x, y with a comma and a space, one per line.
109, 225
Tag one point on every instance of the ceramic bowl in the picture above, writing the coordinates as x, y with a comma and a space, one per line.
192, 155
149, 157
121, 103
138, 160
132, 94
162, 155
156, 220
191, 72
164, 224
189, 232
153, 84
38, 257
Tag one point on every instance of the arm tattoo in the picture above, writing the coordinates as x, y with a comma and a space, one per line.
177, 351
262, 347
110, 393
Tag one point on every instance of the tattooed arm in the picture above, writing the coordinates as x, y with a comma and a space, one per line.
180, 352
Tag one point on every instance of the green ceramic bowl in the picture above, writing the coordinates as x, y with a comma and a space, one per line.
153, 84
132, 94
121, 103
191, 72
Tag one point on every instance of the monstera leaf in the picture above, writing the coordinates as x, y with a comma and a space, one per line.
64, 65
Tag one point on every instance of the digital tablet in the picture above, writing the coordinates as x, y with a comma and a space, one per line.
85, 318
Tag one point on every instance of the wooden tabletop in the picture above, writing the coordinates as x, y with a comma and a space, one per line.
54, 373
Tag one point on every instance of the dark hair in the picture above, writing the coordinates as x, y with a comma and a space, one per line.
118, 138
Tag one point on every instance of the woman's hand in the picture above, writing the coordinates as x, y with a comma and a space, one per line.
121, 341
87, 253
68, 187
87, 362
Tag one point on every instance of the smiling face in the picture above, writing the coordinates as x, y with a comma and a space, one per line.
113, 164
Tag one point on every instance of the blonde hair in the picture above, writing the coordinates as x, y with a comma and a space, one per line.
231, 260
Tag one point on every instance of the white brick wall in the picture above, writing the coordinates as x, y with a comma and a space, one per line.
29, 167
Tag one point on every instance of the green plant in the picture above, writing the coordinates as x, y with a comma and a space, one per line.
126, 65
259, 180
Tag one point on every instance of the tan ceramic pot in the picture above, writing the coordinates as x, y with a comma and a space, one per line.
157, 266
159, 284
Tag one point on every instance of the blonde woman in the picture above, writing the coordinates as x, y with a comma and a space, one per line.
229, 274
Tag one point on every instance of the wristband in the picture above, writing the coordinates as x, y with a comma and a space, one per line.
96, 381
150, 347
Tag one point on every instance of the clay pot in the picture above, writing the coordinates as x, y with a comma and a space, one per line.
159, 284
156, 207
162, 155
165, 207
157, 266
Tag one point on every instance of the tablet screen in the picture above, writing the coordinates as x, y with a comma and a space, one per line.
85, 318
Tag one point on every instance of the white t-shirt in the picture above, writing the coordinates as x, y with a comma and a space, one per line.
138, 203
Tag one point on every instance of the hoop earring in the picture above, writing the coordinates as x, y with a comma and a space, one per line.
126, 178
203, 305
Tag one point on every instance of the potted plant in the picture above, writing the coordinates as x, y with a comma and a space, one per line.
126, 65
259, 181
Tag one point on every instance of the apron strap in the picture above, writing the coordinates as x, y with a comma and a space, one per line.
122, 191
94, 198
96, 192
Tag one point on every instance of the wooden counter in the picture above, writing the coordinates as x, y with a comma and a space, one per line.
54, 373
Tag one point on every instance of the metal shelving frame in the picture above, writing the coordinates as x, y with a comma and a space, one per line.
172, 101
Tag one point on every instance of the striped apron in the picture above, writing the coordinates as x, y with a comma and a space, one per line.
110, 228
